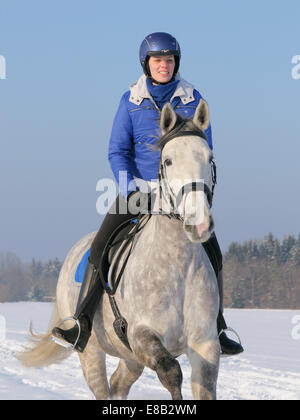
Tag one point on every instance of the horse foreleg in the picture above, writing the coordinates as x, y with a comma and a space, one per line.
127, 372
150, 352
93, 363
204, 359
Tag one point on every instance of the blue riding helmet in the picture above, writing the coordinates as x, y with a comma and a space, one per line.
159, 43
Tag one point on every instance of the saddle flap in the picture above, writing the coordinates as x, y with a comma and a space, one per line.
118, 254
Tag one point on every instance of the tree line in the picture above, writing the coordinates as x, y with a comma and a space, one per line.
34, 281
257, 274
263, 274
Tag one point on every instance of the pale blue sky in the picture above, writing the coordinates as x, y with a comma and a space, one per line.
68, 63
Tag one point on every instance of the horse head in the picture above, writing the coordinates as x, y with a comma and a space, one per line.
187, 170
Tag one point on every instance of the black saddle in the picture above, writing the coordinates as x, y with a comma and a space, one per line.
120, 242
119, 245
120, 235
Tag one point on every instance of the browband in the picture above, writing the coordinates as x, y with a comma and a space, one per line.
178, 131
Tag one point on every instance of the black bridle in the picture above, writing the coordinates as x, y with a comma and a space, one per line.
180, 130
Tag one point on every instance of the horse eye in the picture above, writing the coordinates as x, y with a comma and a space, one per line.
168, 162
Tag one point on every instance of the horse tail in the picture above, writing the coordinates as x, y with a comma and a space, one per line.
44, 351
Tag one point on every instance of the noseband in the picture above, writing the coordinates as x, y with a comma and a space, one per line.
180, 131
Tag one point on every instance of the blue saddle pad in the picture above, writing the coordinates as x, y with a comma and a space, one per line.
79, 274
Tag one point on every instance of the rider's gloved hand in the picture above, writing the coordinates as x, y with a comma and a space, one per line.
139, 202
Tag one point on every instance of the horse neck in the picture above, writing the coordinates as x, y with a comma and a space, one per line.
168, 230
166, 237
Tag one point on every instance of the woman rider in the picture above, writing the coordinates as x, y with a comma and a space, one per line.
136, 125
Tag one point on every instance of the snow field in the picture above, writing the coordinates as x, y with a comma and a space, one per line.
269, 369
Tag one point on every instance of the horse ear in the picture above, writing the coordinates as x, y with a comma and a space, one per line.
201, 116
168, 118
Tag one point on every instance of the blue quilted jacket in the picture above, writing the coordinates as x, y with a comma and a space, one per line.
136, 125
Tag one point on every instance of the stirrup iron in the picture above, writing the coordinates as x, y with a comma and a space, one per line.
232, 330
62, 342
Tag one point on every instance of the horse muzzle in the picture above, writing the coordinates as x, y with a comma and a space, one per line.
199, 232
198, 222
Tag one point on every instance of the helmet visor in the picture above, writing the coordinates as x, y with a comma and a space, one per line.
162, 53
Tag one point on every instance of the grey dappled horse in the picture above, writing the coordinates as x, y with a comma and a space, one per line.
168, 292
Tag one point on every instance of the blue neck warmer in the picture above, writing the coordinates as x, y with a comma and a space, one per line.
161, 93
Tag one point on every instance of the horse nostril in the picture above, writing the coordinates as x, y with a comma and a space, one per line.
211, 224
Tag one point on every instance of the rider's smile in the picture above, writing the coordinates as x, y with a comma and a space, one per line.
162, 68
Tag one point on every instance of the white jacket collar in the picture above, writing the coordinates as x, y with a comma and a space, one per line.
139, 91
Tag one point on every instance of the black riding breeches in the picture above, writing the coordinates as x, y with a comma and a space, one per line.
214, 253
117, 214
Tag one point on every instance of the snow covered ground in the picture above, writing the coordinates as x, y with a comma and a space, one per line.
269, 369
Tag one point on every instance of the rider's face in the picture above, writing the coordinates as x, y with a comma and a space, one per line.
162, 68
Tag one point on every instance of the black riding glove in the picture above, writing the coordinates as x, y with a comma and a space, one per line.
139, 202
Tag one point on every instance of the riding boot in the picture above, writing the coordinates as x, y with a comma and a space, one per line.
89, 298
228, 346
214, 253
